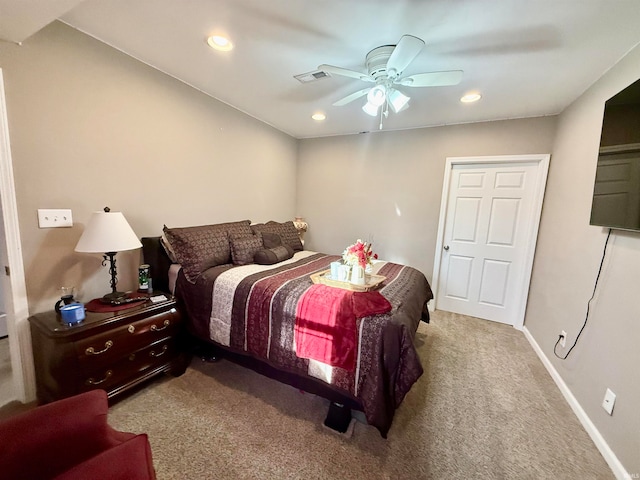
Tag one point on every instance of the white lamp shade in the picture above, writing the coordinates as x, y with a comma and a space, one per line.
398, 100
107, 232
377, 95
370, 109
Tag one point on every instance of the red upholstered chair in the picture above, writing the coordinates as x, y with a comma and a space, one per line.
70, 439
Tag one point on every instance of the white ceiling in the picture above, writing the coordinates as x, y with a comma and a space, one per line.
526, 57
19, 19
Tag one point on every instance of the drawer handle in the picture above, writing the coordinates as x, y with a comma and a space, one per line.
152, 353
107, 375
155, 328
91, 351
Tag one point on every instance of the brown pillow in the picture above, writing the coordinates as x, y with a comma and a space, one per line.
286, 230
269, 256
205, 246
270, 240
243, 248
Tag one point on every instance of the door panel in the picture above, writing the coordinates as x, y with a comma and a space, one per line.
457, 285
510, 179
465, 222
503, 221
471, 180
495, 276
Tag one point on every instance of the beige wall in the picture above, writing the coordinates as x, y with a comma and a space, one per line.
566, 263
386, 187
92, 127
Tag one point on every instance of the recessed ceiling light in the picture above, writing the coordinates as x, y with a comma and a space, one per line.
219, 42
471, 97
319, 116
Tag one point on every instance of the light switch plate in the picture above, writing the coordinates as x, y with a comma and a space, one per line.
50, 218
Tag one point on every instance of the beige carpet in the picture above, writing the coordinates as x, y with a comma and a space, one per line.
485, 408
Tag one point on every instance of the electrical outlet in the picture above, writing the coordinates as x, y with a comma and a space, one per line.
49, 218
609, 401
563, 338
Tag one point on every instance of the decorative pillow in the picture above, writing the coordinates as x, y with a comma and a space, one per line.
205, 246
243, 248
241, 228
286, 230
270, 240
269, 256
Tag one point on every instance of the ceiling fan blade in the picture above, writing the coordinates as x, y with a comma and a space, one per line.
432, 79
406, 50
345, 72
352, 97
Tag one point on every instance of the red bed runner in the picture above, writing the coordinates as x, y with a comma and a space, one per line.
325, 327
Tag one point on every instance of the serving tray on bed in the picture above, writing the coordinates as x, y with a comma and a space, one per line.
371, 281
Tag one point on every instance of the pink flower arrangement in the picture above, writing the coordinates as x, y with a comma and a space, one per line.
360, 253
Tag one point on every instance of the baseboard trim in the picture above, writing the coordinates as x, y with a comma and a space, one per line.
610, 457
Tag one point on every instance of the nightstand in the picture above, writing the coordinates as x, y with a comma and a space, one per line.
114, 351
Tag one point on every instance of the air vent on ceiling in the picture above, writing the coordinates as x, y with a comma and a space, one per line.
311, 76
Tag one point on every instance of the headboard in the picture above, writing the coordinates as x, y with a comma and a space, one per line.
156, 257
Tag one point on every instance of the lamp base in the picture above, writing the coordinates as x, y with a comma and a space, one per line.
114, 298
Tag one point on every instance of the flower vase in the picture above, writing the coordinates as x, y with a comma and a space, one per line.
357, 275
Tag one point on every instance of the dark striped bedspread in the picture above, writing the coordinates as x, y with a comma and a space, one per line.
253, 309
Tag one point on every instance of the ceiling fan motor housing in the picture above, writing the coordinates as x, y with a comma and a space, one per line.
376, 61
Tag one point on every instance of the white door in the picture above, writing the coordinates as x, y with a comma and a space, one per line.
487, 236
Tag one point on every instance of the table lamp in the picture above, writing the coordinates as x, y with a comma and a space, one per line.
301, 226
108, 233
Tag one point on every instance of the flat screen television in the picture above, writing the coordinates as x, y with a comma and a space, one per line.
616, 192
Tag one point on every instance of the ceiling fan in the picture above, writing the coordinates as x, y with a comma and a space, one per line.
385, 66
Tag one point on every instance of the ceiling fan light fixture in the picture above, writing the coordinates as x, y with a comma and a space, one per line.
398, 100
404, 107
370, 109
220, 42
471, 97
377, 95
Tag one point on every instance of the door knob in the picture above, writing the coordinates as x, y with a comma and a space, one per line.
446, 247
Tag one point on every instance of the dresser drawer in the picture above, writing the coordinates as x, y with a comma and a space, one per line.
129, 366
105, 348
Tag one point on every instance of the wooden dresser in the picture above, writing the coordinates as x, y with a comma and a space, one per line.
113, 351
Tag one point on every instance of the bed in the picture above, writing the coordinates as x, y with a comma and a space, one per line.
250, 313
